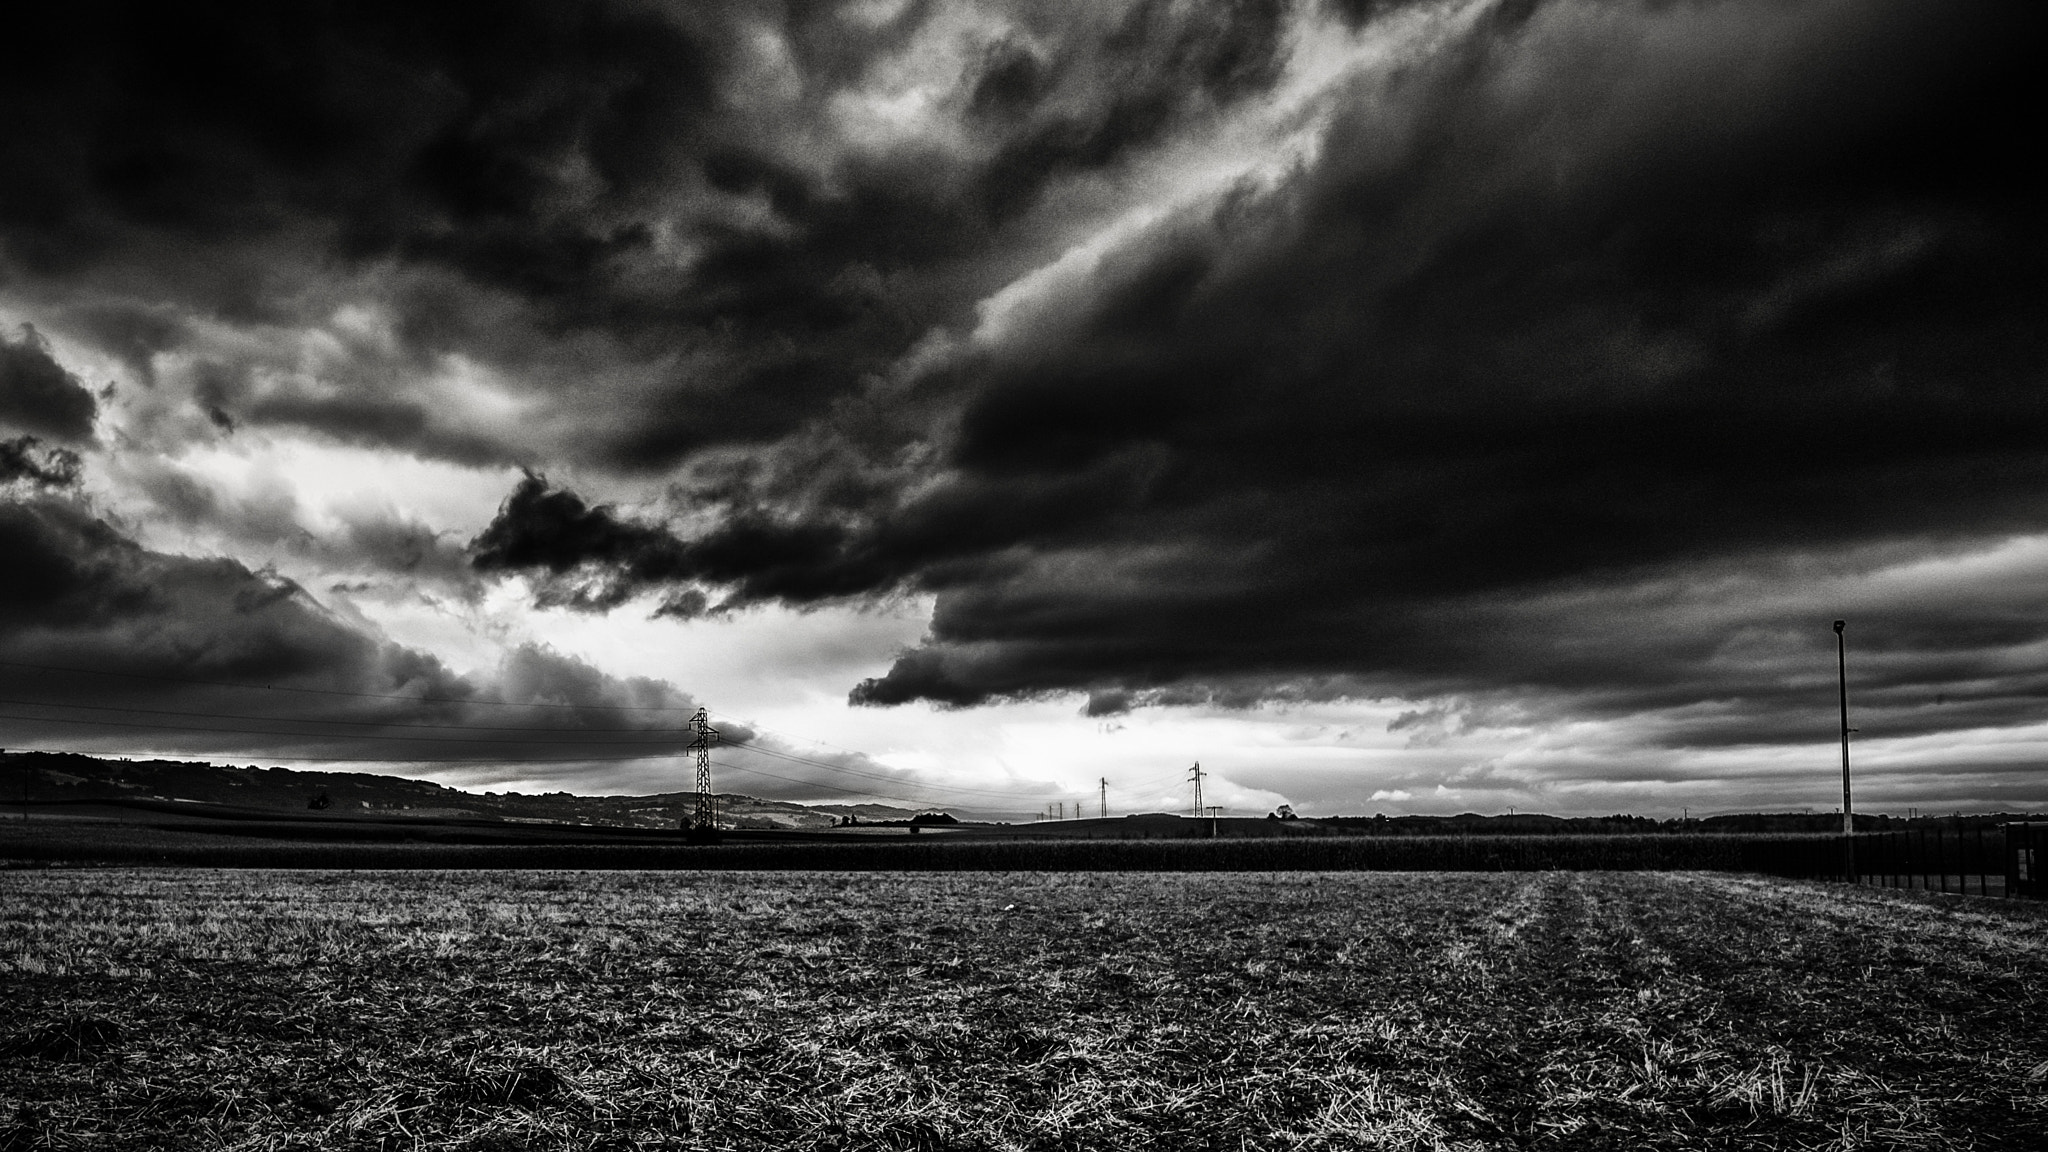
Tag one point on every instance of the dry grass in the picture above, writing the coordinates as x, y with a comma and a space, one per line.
476, 1010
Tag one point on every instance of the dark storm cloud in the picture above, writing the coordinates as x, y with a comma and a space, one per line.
37, 395
1541, 313
131, 333
641, 201
109, 646
1154, 71
106, 644
469, 174
1571, 303
450, 135
592, 559
1614, 321
242, 162
955, 535
25, 459
368, 421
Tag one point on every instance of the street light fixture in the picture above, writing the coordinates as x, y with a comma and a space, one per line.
1848, 820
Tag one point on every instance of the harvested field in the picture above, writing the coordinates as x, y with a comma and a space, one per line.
479, 1010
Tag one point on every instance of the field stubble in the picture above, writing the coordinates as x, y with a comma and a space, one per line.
481, 1011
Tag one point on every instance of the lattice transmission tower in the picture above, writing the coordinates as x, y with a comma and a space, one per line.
1195, 774
707, 804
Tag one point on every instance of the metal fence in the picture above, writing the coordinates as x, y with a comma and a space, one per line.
1977, 861
2026, 851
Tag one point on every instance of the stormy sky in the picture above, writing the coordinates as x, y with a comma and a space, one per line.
1429, 406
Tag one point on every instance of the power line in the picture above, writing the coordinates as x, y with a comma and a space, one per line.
441, 760
726, 766
916, 803
455, 760
765, 729
1148, 782
877, 776
721, 765
793, 737
507, 759
964, 790
749, 745
670, 748
784, 733
676, 738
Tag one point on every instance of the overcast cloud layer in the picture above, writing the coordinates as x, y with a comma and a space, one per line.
1532, 364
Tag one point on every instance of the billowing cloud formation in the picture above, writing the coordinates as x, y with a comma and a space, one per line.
27, 459
37, 395
1559, 305
1564, 303
1529, 358
440, 233
106, 642
107, 646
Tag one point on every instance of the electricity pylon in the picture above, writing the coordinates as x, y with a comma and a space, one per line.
1102, 804
1195, 774
707, 804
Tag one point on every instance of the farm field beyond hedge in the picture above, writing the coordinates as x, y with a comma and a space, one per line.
513, 1010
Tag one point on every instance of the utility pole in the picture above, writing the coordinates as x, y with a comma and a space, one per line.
1102, 805
1213, 809
707, 804
1196, 775
1848, 819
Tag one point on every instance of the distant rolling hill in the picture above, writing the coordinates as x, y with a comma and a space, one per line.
151, 789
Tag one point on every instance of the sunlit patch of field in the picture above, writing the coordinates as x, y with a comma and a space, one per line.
478, 1010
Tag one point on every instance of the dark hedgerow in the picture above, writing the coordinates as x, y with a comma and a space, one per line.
1788, 854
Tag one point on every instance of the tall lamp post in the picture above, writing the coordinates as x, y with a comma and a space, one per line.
1848, 821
